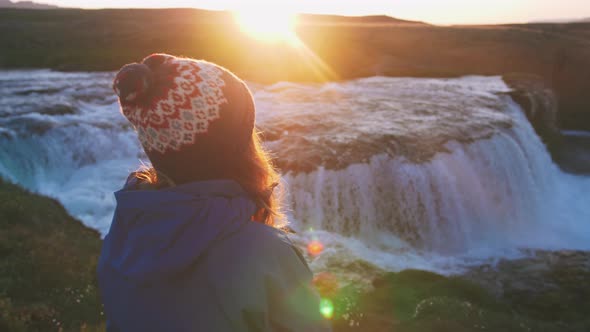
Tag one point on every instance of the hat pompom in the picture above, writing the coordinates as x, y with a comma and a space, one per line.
156, 60
133, 82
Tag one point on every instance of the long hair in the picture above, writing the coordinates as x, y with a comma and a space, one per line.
252, 168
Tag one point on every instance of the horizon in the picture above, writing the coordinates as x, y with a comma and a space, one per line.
447, 12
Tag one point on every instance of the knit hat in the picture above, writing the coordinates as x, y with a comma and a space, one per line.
191, 116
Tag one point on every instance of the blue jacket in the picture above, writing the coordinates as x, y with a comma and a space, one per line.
189, 258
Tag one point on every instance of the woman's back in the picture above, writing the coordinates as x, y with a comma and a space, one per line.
189, 258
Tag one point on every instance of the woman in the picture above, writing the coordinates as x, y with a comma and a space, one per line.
196, 241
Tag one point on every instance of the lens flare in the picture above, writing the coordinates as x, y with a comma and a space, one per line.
326, 284
271, 26
315, 248
326, 308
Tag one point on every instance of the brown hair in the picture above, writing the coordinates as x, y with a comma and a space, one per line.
252, 168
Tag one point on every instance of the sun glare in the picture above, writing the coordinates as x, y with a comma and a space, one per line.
272, 26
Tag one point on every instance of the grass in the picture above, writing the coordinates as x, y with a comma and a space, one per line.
47, 266
413, 301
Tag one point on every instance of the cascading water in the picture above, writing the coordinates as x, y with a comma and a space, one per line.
496, 193
397, 172
61, 135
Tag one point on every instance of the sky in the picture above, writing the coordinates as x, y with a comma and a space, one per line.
432, 11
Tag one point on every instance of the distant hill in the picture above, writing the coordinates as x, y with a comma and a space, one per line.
25, 5
563, 20
352, 20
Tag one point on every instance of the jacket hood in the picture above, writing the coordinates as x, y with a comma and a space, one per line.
156, 234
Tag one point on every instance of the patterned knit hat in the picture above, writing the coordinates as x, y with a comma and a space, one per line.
192, 117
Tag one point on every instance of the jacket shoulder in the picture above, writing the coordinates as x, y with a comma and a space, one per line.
260, 243
262, 279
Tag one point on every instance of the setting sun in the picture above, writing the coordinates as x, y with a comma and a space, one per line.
267, 26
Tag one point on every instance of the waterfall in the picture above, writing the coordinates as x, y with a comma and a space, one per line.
499, 192
396, 172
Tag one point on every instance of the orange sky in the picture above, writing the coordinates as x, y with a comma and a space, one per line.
432, 11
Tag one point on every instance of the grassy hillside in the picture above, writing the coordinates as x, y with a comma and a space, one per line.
47, 266
349, 48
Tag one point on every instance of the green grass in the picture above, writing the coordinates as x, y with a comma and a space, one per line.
47, 266
413, 301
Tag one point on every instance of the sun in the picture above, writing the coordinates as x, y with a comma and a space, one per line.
270, 26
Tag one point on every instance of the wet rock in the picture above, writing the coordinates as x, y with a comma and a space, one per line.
41, 91
574, 156
57, 110
540, 105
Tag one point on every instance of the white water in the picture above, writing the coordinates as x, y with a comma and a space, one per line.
438, 174
482, 201
79, 157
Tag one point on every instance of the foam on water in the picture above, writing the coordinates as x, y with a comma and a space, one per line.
486, 200
79, 164
338, 124
61, 135
396, 172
